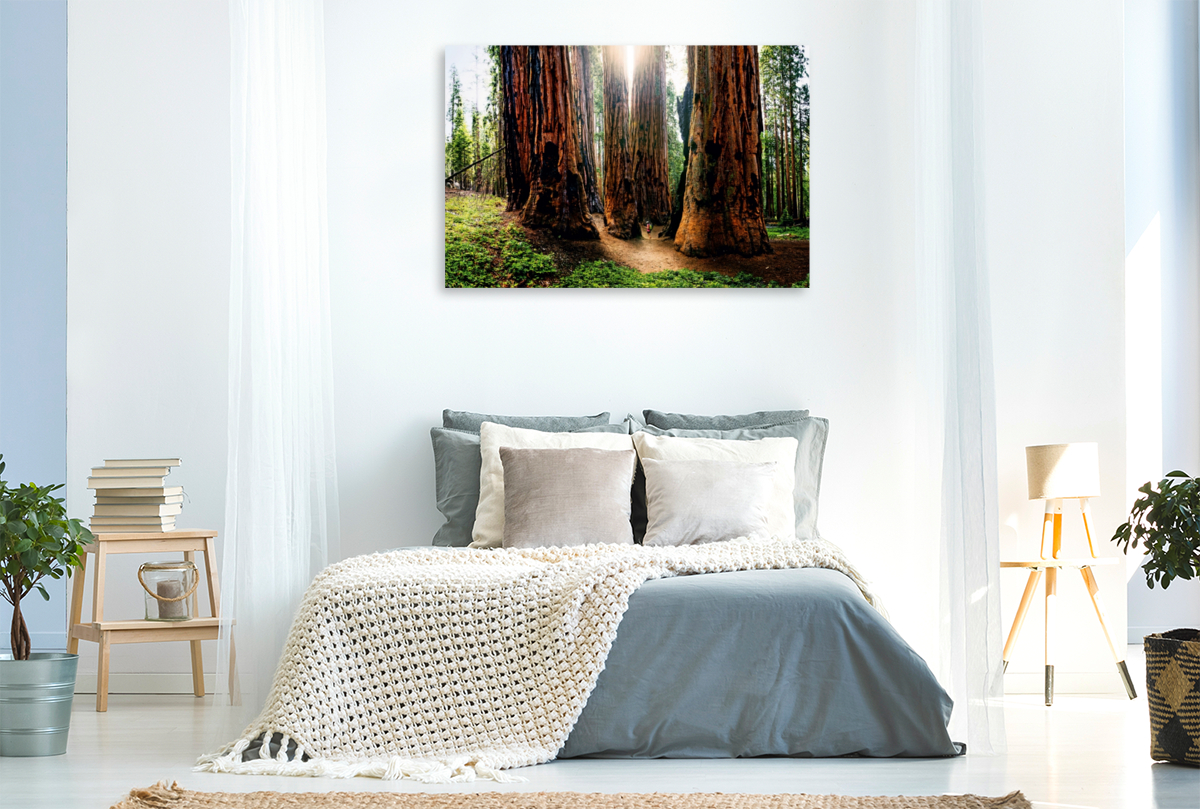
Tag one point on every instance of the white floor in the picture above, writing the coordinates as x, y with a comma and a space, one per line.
1082, 752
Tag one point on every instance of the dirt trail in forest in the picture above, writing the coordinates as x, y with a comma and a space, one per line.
787, 264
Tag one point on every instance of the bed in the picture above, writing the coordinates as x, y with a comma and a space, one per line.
571, 641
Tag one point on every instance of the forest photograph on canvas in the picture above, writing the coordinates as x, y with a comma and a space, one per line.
627, 166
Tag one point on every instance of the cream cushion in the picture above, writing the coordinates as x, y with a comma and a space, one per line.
691, 502
781, 515
489, 514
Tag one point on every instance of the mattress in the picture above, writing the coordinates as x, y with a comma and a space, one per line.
760, 663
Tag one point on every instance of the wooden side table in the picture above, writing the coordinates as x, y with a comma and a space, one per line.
107, 633
1051, 567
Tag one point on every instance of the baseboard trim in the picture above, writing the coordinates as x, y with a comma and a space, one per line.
1065, 682
144, 683
1136, 633
47, 641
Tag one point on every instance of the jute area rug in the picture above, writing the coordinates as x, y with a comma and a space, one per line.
162, 796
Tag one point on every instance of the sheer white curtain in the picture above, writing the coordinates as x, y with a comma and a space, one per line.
281, 508
956, 430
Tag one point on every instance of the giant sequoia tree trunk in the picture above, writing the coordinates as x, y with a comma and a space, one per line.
648, 133
583, 107
620, 205
722, 205
516, 122
557, 199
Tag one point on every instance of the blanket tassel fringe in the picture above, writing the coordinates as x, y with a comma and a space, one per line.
452, 770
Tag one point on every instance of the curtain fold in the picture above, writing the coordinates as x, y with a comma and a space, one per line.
281, 507
956, 430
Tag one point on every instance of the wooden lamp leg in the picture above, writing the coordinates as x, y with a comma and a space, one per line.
1035, 576
1085, 511
1057, 506
1093, 588
1048, 517
1051, 605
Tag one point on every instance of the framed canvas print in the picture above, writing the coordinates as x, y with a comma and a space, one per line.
627, 166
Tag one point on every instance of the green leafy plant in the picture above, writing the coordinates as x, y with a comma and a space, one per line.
36, 540
1166, 521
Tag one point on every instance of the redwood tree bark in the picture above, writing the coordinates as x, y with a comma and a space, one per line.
516, 122
583, 108
722, 205
557, 199
648, 134
620, 204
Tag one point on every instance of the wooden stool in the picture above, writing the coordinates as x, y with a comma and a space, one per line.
106, 633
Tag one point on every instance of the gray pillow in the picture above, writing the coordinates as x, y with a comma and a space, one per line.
463, 420
456, 464
811, 433
684, 421
564, 497
694, 501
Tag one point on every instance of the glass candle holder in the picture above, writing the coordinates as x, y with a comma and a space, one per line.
169, 587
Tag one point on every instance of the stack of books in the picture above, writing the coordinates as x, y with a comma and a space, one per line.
132, 496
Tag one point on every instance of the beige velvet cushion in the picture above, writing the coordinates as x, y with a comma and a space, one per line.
566, 496
781, 513
689, 502
488, 531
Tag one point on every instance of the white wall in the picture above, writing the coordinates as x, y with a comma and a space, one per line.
149, 85
405, 347
148, 247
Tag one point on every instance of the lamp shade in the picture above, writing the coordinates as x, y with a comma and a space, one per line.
1063, 470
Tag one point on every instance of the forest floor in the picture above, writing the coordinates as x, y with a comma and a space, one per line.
488, 247
786, 265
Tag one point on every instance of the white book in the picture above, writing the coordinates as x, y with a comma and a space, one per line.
128, 520
125, 462
103, 499
148, 491
130, 471
135, 510
126, 482
132, 529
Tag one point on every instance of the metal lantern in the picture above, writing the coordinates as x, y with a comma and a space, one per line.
169, 587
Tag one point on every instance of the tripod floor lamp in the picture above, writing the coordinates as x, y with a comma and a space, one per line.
1059, 472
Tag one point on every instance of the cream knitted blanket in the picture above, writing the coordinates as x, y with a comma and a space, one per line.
447, 666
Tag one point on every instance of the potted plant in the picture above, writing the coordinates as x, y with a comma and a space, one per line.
36, 688
1166, 522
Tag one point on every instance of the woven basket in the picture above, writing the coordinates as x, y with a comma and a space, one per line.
1173, 692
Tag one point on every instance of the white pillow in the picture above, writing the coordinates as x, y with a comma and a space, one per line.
489, 514
781, 515
690, 502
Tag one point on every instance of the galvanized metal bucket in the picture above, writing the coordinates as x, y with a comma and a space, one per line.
35, 703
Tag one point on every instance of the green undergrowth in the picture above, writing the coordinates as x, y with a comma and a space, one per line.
611, 274
787, 232
483, 251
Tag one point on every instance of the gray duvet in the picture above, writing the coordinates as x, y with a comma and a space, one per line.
760, 663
